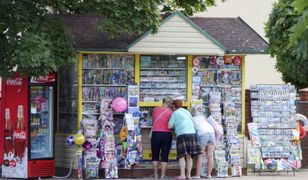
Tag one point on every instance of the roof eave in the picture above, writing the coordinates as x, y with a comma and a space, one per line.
101, 49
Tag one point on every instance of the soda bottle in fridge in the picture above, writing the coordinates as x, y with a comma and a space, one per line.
8, 133
19, 136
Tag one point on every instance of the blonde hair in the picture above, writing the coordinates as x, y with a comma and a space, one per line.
197, 110
167, 101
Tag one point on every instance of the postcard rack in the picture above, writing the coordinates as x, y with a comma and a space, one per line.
273, 112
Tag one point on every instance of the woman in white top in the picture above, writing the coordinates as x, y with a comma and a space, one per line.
206, 139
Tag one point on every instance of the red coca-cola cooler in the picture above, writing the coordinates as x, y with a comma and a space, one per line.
27, 136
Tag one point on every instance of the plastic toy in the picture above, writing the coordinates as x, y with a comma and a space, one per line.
70, 140
119, 104
123, 133
237, 60
79, 138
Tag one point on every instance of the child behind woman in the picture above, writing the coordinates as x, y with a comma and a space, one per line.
206, 139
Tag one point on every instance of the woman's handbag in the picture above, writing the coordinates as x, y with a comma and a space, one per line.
150, 134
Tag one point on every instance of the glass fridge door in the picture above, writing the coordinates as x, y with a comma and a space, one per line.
41, 122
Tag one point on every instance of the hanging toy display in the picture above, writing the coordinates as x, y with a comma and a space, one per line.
220, 61
237, 60
79, 138
86, 146
70, 140
80, 164
91, 161
107, 150
132, 148
97, 139
119, 104
124, 132
91, 164
204, 165
228, 60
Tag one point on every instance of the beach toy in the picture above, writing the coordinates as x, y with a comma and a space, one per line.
119, 104
70, 140
79, 138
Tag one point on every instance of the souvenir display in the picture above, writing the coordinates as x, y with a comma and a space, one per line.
107, 139
253, 154
98, 142
221, 164
254, 134
79, 160
109, 76
217, 82
236, 170
70, 140
90, 93
133, 144
91, 163
119, 104
79, 138
105, 76
145, 116
204, 166
107, 69
162, 76
273, 113
133, 98
214, 106
222, 170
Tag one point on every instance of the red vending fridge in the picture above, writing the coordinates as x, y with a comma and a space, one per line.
28, 106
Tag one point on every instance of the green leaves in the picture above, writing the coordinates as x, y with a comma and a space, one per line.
288, 41
129, 16
299, 35
32, 36
300, 5
31, 40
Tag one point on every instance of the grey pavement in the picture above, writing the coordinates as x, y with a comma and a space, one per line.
299, 175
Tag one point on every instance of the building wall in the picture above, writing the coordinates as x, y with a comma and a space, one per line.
176, 36
64, 154
260, 69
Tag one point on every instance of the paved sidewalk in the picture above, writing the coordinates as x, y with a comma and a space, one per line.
301, 175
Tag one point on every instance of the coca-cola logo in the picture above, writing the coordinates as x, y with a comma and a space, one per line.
43, 79
40, 78
14, 82
12, 163
19, 135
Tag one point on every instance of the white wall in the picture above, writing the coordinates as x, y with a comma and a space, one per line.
176, 36
260, 69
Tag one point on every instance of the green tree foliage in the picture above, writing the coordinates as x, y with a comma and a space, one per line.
286, 29
32, 34
299, 36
